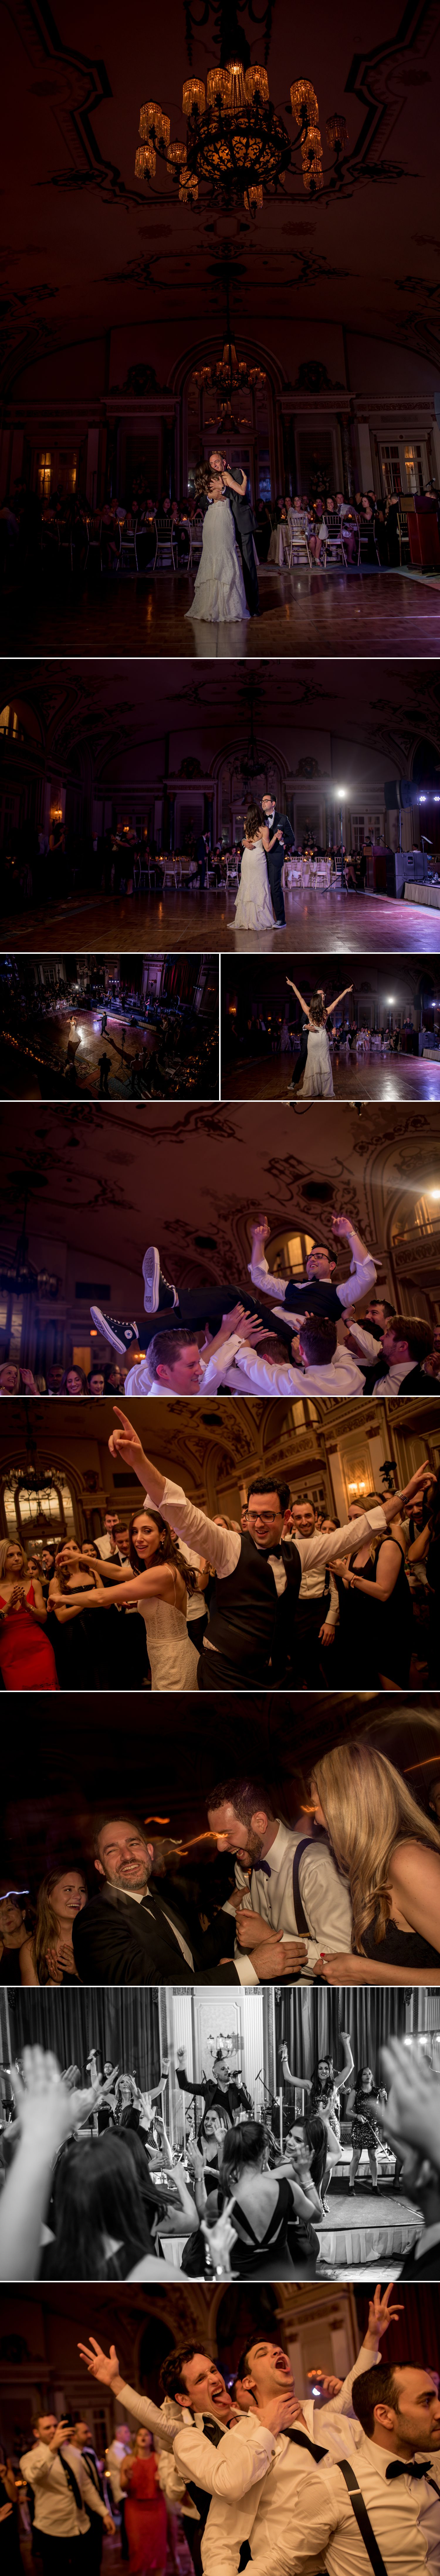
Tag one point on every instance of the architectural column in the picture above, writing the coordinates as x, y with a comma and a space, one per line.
92, 465
182, 2021
365, 457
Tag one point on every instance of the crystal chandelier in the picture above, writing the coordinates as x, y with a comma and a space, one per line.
237, 149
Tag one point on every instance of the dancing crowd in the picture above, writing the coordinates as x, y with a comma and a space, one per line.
236, 2469
93, 2187
344, 1897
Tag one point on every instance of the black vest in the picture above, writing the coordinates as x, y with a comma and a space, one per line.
249, 1621
315, 1296
200, 2495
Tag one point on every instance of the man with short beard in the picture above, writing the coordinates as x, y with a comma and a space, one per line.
288, 1884
133, 1935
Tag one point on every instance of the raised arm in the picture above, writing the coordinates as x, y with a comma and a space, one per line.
348, 2065
295, 989
340, 997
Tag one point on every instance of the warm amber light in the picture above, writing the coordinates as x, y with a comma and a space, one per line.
256, 80
193, 98
145, 160
304, 102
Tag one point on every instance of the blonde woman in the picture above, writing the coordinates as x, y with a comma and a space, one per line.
390, 1853
27, 1661
47, 1957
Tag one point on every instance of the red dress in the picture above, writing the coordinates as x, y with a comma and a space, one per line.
27, 1661
145, 2520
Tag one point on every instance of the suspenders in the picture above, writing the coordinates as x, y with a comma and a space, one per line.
377, 2562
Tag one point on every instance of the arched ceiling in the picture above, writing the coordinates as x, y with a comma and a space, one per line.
104, 709
90, 250
104, 1184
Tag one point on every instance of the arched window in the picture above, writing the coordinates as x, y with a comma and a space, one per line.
33, 1510
289, 1252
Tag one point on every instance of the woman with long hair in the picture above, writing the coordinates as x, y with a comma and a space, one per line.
74, 1381
16, 1381
27, 1661
48, 1958
318, 1077
364, 2129
253, 909
219, 595
260, 2202
324, 2088
389, 1850
162, 1580
145, 2518
375, 1610
97, 2216
426, 1546
89, 1656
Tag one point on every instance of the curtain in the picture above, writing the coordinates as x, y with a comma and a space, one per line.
415, 2337
121, 2026
311, 2022
179, 979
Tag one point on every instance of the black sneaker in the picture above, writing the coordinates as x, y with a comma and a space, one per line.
158, 1293
114, 1330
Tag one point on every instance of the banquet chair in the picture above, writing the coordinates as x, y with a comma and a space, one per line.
232, 876
128, 541
188, 874
299, 543
165, 544
172, 868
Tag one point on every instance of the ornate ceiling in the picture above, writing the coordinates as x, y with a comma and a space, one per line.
92, 251
93, 713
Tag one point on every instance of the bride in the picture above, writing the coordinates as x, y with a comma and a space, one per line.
253, 910
219, 596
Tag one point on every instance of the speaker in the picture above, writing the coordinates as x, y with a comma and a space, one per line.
395, 867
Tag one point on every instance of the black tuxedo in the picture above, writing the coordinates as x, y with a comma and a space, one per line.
120, 1943
275, 862
200, 858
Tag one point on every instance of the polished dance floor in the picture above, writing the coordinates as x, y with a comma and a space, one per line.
345, 924
334, 614
400, 1077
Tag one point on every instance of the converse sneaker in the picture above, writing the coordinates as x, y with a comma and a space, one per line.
158, 1293
114, 1330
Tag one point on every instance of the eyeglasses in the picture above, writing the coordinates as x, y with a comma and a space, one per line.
265, 1517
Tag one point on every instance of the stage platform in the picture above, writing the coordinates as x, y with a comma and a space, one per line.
357, 925
429, 895
365, 2228
333, 614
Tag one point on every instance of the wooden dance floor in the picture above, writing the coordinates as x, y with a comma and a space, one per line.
335, 614
401, 1077
346, 924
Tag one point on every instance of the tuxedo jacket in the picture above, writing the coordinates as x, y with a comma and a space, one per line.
281, 824
120, 1943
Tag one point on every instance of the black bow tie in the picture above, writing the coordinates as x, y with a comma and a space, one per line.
302, 2438
263, 1867
408, 2469
275, 1551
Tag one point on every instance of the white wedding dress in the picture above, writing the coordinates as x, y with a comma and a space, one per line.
253, 910
219, 596
172, 1656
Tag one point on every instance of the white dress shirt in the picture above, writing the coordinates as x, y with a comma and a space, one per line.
361, 1280
339, 1376
267, 2489
223, 1366
55, 2509
223, 1547
325, 1896
405, 2515
370, 1350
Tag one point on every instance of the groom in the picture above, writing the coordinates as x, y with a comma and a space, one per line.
275, 859
244, 523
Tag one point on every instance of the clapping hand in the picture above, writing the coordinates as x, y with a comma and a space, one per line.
413, 2104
